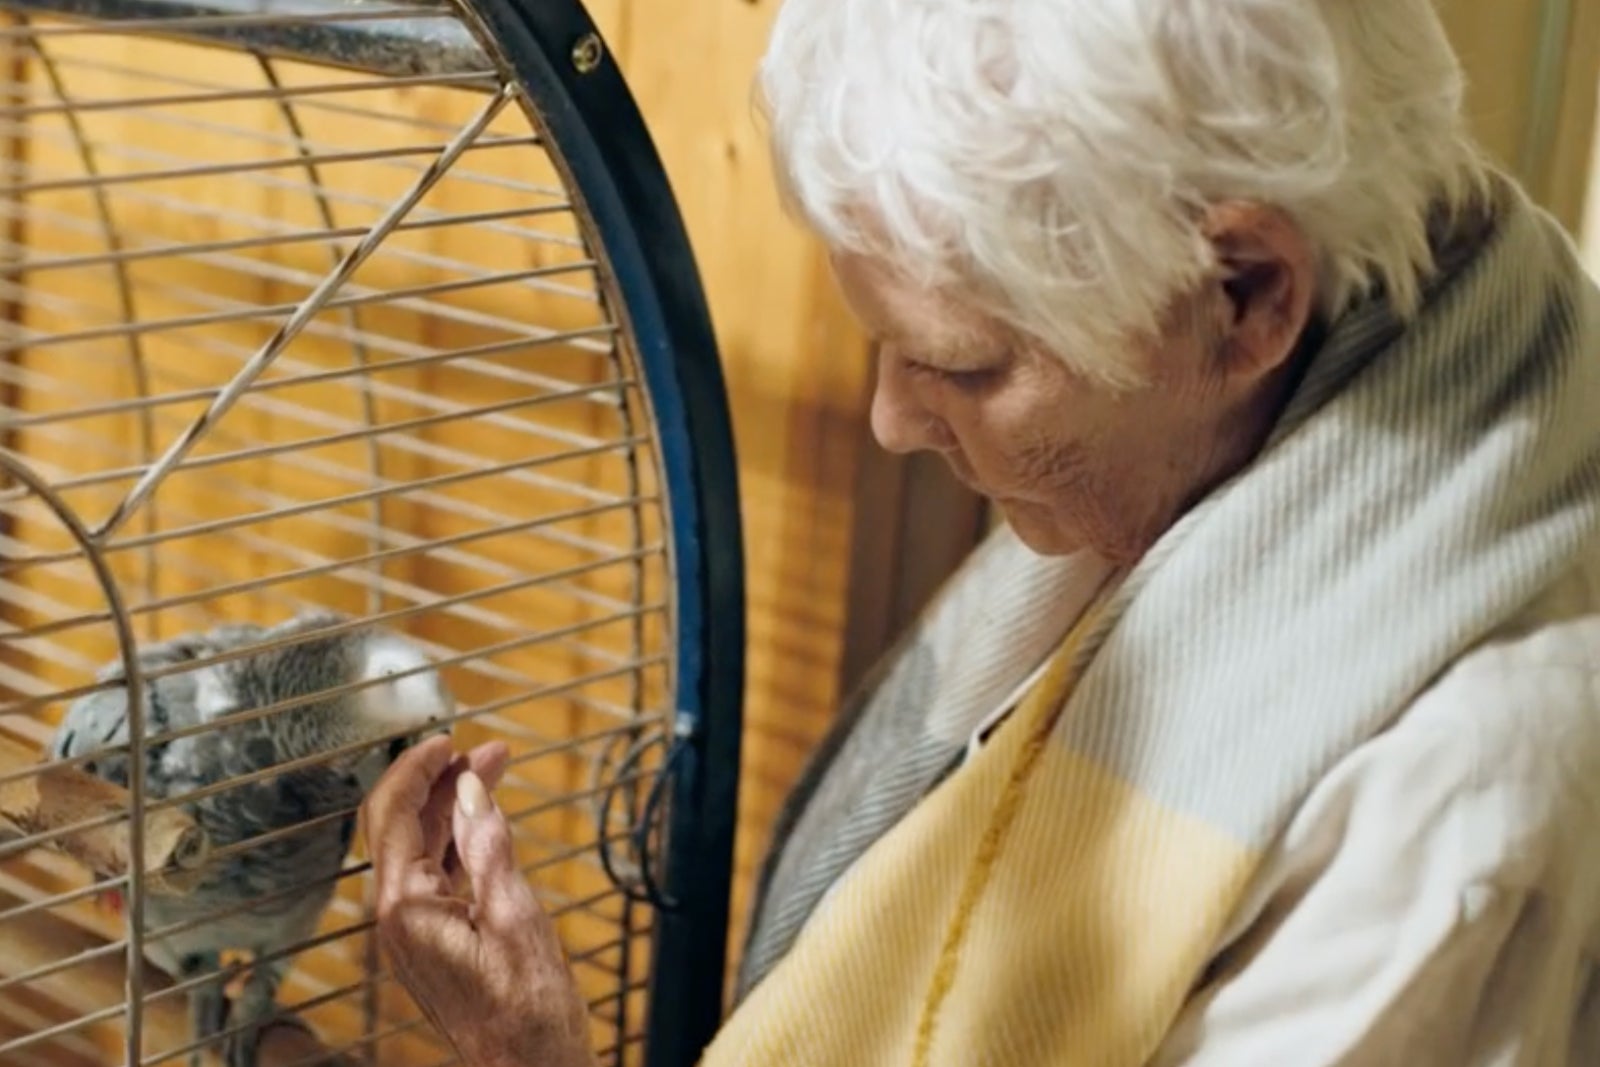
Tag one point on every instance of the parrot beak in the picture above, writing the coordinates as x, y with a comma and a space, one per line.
397, 746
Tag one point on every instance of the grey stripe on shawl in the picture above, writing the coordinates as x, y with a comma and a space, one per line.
900, 736
1384, 528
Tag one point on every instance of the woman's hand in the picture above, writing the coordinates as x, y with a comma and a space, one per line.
489, 972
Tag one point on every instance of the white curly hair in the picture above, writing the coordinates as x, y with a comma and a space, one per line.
1054, 158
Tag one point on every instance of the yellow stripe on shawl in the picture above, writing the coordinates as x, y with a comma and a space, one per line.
1032, 910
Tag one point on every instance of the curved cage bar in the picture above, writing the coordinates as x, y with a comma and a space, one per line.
380, 310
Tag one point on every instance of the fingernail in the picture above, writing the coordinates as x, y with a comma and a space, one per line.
471, 796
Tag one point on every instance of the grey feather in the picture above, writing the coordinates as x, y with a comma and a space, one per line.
271, 872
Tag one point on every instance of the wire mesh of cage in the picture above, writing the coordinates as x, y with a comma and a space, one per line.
365, 333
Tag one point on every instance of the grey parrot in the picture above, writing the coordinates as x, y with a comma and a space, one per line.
292, 875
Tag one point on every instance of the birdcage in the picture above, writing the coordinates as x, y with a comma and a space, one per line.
377, 314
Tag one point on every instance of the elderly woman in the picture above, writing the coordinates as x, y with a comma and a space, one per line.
1267, 731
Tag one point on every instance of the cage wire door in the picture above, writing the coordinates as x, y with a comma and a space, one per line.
349, 347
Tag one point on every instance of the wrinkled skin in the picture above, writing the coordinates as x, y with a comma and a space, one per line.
1071, 463
461, 927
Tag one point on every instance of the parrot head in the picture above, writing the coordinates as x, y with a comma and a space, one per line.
379, 683
415, 697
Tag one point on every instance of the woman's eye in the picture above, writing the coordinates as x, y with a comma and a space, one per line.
956, 377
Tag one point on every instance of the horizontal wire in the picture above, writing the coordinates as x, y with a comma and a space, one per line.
353, 871
218, 592
21, 911
461, 605
340, 934
252, 312
145, 26
288, 766
292, 93
560, 800
556, 803
242, 717
213, 170
316, 191
173, 929
284, 1012
493, 671
540, 690
71, 1026
208, 526
557, 903
396, 1029
620, 994
554, 581
459, 508
100, 65
596, 393
290, 234
56, 966
124, 255
181, 167
226, 311
536, 581
256, 399
316, 150
213, 526
392, 1031
420, 218
262, 269
622, 1043
76, 1044
300, 1008
317, 941
410, 120
571, 853
19, 845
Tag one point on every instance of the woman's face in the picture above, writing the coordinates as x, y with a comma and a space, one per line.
1071, 463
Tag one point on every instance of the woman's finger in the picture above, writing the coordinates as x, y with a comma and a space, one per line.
392, 813
483, 838
488, 762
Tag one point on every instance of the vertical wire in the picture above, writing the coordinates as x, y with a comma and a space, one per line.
375, 509
119, 267
636, 680
93, 551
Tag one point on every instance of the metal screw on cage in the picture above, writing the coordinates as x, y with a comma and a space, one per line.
587, 53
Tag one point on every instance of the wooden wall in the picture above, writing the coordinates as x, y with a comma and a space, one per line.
1532, 68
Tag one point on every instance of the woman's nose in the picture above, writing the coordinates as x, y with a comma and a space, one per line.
900, 420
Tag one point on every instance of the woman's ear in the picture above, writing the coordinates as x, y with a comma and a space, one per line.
1267, 275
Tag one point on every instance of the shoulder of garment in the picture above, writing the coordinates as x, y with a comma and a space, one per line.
1436, 898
